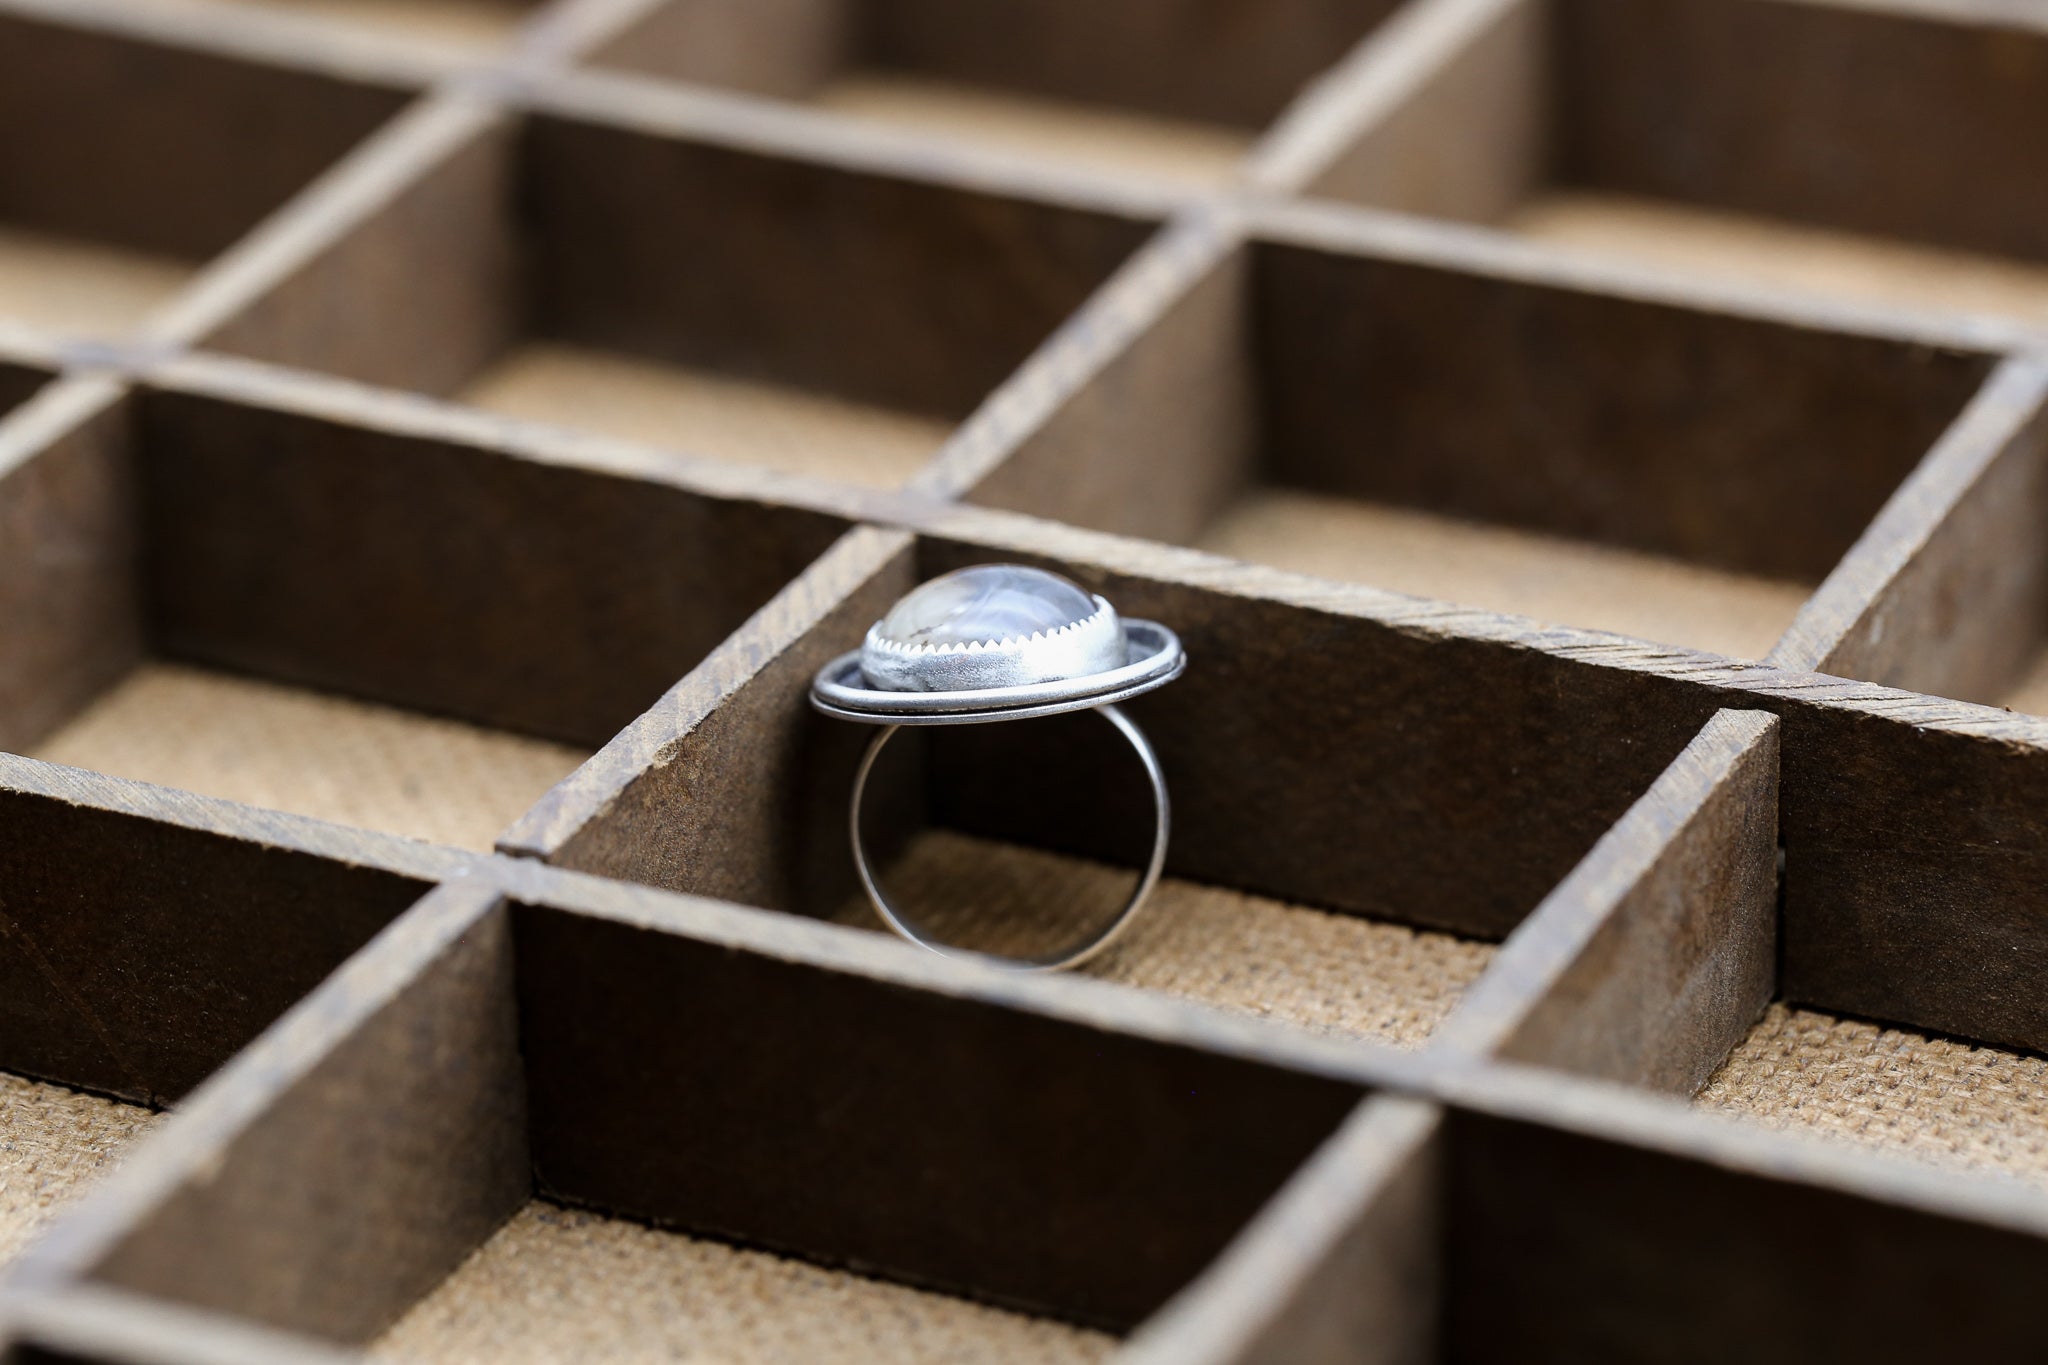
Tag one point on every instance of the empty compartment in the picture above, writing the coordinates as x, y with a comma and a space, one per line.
138, 953
1336, 399
468, 26
147, 160
595, 1134
373, 626
1329, 777
708, 297
1174, 89
1863, 150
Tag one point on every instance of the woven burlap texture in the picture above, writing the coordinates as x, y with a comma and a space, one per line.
559, 1285
1570, 582
373, 767
1333, 974
699, 413
1973, 1108
54, 1145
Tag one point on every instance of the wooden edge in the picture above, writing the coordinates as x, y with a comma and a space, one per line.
362, 1064
30, 349
797, 134
349, 192
1341, 1265
1625, 1115
261, 37
233, 820
1073, 999
1392, 70
1943, 592
1654, 957
85, 1323
566, 32
1476, 250
1128, 305
587, 793
398, 412
1737, 683
56, 411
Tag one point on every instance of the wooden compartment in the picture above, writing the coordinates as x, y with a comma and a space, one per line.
146, 160
1284, 897
1356, 400
1866, 150
371, 622
1032, 1156
690, 289
145, 938
1172, 89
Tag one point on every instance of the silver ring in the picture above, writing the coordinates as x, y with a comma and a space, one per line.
991, 643
1072, 956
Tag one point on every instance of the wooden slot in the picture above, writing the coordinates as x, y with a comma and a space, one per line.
149, 936
922, 1154
696, 295
1048, 78
357, 623
1681, 1219
1459, 430
1780, 144
148, 159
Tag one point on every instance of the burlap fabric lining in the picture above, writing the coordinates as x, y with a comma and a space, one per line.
1333, 974
54, 1145
1569, 582
282, 748
559, 1285
698, 413
1973, 1108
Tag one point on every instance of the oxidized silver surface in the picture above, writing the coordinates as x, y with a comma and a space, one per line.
1000, 642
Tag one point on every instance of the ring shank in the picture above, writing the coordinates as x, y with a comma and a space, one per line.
1071, 956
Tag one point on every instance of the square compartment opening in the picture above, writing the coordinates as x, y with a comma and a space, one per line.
381, 629
147, 161
714, 299
1675, 474
1169, 89
1863, 151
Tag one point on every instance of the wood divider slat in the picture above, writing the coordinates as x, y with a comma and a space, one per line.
1947, 591
1652, 960
88, 1325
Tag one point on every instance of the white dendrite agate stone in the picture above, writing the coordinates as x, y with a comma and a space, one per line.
992, 625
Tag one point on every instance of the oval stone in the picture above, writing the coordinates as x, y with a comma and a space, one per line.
986, 603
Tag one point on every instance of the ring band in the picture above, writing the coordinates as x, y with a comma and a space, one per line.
1072, 956
992, 643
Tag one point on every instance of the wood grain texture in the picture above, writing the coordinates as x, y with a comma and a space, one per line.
403, 1071
1651, 961
1340, 1266
1046, 1166
442, 577
146, 935
1947, 592
70, 605
216, 144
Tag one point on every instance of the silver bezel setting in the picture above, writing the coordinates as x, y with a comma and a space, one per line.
1093, 644
1152, 657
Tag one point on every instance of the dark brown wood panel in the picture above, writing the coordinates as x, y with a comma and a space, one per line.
1869, 117
1066, 1169
158, 146
351, 1160
1654, 958
145, 935
533, 596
